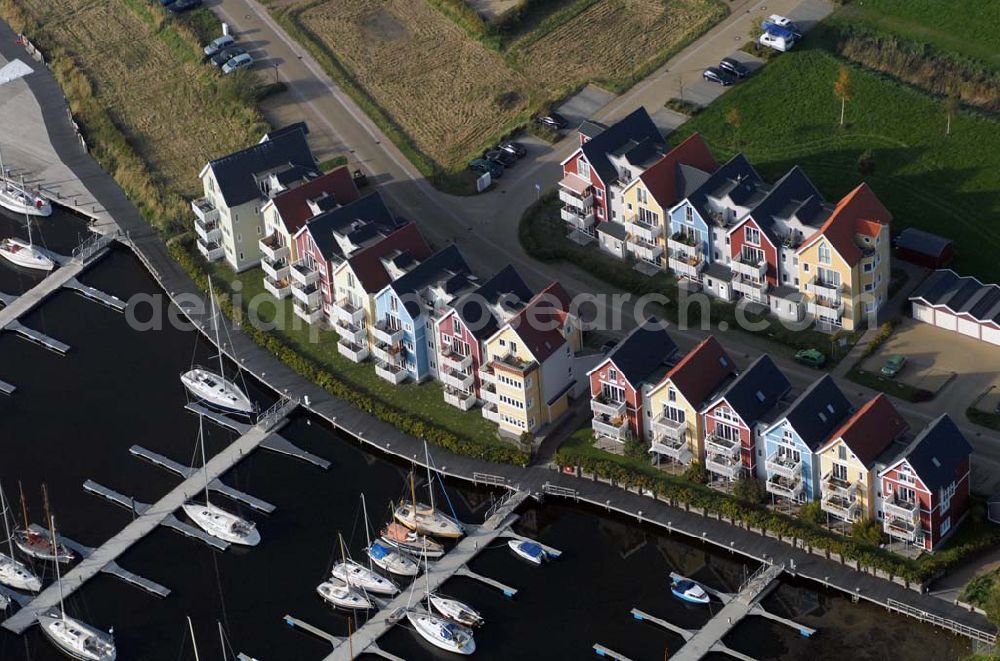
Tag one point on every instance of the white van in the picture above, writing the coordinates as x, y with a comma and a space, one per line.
778, 43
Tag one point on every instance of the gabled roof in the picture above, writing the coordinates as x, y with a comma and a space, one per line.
286, 147
757, 390
335, 188
736, 178
364, 221
960, 295
635, 137
642, 353
701, 372
871, 430
859, 212
792, 196
937, 453
817, 412
668, 183
367, 262
539, 324
446, 268
922, 242
474, 309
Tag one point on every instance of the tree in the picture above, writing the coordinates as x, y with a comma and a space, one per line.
735, 122
756, 28
867, 531
696, 473
750, 490
635, 448
866, 163
811, 512
842, 90
951, 108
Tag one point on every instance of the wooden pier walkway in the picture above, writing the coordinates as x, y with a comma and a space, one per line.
37, 337
97, 295
147, 521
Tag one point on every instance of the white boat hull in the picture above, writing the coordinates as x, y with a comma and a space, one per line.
16, 199
455, 610
428, 521
223, 525
395, 562
76, 639
15, 575
441, 633
360, 576
413, 543
25, 255
217, 392
516, 546
340, 594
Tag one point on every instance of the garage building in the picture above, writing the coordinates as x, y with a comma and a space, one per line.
961, 304
924, 248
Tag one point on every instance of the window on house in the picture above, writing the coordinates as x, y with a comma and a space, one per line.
945, 525
842, 453
513, 348
805, 267
599, 193
583, 169
689, 214
869, 266
456, 326
672, 395
840, 472
612, 393
640, 195
393, 305
824, 253
751, 235
613, 375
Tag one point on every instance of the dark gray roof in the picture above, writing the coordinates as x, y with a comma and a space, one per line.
938, 452
787, 293
689, 179
736, 177
285, 149
922, 242
506, 288
592, 128
960, 295
757, 390
818, 412
613, 229
643, 352
446, 267
636, 134
792, 196
719, 271
362, 220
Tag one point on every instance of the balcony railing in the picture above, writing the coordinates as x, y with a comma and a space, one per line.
272, 248
614, 428
823, 289
354, 352
488, 393
901, 509
645, 250
847, 509
723, 446
356, 333
901, 519
686, 265
490, 413
305, 274
204, 210
649, 232
210, 250
572, 199
459, 399
457, 379
723, 466
348, 312
755, 269
387, 353
784, 487
276, 270
684, 244
826, 308
394, 374
750, 287
665, 428
783, 465
208, 230
579, 219
384, 333
450, 359
838, 487
673, 448
278, 288
309, 313
309, 295
510, 361
601, 405
486, 374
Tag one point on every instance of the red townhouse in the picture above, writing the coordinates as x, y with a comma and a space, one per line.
619, 382
925, 491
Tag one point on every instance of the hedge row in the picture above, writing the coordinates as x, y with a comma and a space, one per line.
485, 449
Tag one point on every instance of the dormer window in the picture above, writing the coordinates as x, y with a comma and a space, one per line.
824, 253
641, 195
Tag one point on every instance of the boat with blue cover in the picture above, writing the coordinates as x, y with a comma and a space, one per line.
687, 590
529, 550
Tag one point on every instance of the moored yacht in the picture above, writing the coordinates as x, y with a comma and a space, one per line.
13, 573
19, 199
392, 560
455, 610
442, 633
427, 520
687, 590
76, 639
22, 253
399, 536
217, 522
340, 593
362, 577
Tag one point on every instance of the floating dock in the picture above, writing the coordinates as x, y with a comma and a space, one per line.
97, 295
7, 299
7, 388
37, 337
601, 650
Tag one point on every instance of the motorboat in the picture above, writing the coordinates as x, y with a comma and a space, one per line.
22, 253
455, 610
224, 525
13, 573
76, 639
391, 560
408, 541
687, 590
340, 593
362, 577
441, 632
40, 547
216, 391
530, 551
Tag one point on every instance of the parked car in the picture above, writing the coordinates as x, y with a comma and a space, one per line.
360, 179
221, 58
500, 156
553, 120
810, 357
515, 148
483, 166
777, 42
782, 21
716, 75
183, 5
734, 67
218, 44
893, 365
241, 61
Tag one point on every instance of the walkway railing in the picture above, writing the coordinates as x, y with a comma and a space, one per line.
565, 492
943, 622
94, 244
278, 411
489, 478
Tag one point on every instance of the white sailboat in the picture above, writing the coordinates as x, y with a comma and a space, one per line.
211, 388
24, 253
426, 519
340, 593
400, 537
19, 199
216, 521
385, 556
439, 631
37, 545
73, 637
13, 573
455, 610
359, 576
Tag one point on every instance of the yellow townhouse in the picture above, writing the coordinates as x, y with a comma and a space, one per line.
844, 266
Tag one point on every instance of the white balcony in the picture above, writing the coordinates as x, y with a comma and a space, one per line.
784, 465
488, 393
394, 374
754, 269
581, 201
276, 270
486, 374
901, 519
825, 308
649, 252
347, 312
642, 230
304, 274
354, 333
272, 248
723, 466
211, 251
784, 487
723, 446
848, 509
687, 266
382, 332
491, 413
459, 399
308, 313
387, 353
613, 428
840, 488
457, 379
309, 295
581, 220
204, 210
901, 509
755, 290
822, 289
665, 428
601, 405
455, 361
208, 231
278, 288
684, 245
355, 353
676, 449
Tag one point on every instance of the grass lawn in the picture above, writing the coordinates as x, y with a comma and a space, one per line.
581, 444
939, 183
320, 344
889, 386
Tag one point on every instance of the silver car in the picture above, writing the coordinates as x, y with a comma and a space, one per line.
241, 61
225, 41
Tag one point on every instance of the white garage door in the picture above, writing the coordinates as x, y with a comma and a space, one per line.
923, 313
945, 320
970, 328
991, 335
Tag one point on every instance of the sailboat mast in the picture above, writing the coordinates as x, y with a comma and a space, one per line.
430, 482
368, 539
413, 494
222, 641
204, 464
52, 532
46, 509
6, 524
24, 505
215, 327
3, 171
194, 643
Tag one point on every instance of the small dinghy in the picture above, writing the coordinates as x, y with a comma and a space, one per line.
391, 560
530, 551
687, 590
339, 593
360, 576
455, 610
402, 538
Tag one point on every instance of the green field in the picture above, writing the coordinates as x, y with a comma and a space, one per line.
948, 184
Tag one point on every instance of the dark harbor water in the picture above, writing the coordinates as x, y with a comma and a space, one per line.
74, 417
